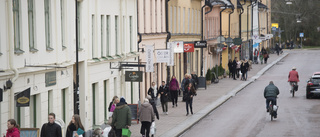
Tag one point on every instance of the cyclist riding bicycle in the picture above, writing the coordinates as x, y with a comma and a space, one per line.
293, 78
270, 93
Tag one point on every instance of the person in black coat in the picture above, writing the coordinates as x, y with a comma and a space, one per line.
163, 92
51, 129
196, 79
234, 68
152, 90
152, 102
74, 125
230, 68
244, 69
190, 92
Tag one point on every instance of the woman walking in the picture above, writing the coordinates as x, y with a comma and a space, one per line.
146, 116
190, 92
13, 129
74, 125
174, 87
244, 70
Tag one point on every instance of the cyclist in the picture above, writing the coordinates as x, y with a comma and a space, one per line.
293, 77
270, 93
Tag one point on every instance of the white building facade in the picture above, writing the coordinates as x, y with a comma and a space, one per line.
38, 51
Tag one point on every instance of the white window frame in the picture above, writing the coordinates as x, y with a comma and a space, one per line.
188, 20
108, 35
62, 11
31, 26
16, 25
47, 15
179, 20
102, 36
116, 24
130, 32
93, 35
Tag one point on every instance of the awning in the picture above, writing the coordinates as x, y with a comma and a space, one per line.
260, 5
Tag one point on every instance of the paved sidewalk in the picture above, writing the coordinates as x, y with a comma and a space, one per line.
176, 122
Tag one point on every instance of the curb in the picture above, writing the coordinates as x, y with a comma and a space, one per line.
188, 123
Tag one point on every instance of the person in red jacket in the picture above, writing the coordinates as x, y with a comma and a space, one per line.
293, 77
13, 129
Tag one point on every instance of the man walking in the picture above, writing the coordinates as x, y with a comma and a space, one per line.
270, 93
234, 68
196, 79
121, 117
51, 129
163, 92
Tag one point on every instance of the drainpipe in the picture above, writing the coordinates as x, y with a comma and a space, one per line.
225, 7
207, 3
248, 21
242, 11
168, 38
230, 21
11, 56
138, 48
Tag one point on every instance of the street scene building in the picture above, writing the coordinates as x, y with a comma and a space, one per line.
74, 56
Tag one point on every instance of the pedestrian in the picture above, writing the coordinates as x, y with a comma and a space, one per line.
277, 48
73, 126
291, 44
234, 68
146, 116
13, 129
238, 68
265, 55
152, 90
288, 44
51, 129
121, 117
190, 92
184, 83
255, 56
230, 68
244, 69
174, 87
154, 106
196, 79
163, 92
113, 106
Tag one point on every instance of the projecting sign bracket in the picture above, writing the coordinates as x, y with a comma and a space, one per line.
127, 65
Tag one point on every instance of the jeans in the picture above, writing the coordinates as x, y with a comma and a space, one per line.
189, 103
273, 100
164, 106
119, 132
145, 128
174, 96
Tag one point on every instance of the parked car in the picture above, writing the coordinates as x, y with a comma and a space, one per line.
313, 86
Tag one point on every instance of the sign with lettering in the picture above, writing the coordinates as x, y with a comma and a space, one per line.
51, 78
188, 47
149, 58
162, 56
178, 47
200, 44
23, 98
171, 54
133, 76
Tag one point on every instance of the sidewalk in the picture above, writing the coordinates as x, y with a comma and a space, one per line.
176, 122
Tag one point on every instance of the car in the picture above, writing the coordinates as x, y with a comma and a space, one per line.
316, 73
313, 86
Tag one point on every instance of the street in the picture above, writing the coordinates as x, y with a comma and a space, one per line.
245, 114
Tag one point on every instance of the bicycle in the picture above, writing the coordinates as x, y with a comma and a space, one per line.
294, 88
272, 110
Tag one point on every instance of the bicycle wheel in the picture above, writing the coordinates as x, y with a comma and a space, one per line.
271, 111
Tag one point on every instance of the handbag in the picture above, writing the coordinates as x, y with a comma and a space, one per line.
153, 128
126, 132
185, 97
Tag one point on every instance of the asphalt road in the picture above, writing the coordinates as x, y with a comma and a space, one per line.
245, 114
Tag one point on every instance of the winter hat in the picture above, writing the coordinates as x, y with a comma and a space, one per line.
122, 99
146, 100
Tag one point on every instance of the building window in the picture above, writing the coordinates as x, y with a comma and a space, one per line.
16, 26
192, 20
171, 19
79, 25
116, 34
63, 103
179, 17
47, 15
115, 86
106, 105
93, 36
174, 19
184, 20
108, 35
62, 25
93, 104
188, 21
31, 26
50, 101
102, 35
123, 44
33, 110
130, 29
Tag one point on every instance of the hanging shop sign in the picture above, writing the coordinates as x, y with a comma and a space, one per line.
171, 54
23, 98
188, 47
149, 58
178, 47
162, 56
133, 76
237, 41
200, 44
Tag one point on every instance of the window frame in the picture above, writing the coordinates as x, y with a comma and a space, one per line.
47, 18
16, 26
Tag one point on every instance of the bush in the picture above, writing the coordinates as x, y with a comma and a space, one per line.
208, 75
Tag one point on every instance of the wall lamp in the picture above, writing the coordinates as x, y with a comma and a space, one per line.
8, 85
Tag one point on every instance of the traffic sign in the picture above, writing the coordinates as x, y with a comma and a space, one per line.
301, 35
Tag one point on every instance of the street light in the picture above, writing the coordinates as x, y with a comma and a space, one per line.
288, 2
